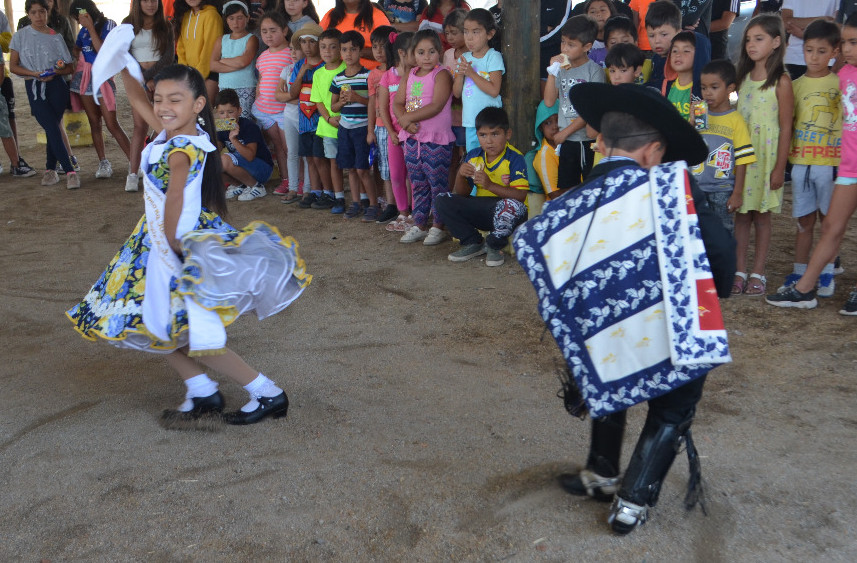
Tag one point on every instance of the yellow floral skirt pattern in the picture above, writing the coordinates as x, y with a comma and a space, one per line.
225, 270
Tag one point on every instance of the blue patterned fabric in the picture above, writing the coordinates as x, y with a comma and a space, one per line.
599, 258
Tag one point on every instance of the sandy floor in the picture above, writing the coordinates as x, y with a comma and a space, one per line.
424, 423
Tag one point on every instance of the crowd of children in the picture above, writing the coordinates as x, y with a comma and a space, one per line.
422, 136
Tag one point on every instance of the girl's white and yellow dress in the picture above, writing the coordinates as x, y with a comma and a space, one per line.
150, 299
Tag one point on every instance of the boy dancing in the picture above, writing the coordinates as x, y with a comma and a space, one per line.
628, 268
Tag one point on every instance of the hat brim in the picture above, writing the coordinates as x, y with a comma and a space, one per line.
592, 100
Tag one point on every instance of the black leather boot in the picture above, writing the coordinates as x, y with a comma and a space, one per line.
600, 478
652, 458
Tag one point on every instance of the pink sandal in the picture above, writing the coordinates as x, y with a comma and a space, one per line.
757, 285
740, 283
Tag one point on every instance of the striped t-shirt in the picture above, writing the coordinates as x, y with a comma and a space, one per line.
355, 114
270, 66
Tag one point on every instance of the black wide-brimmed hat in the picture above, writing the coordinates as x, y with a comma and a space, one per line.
593, 99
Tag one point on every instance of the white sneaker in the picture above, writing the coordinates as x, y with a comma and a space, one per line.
72, 180
414, 234
255, 192
131, 183
50, 178
435, 236
234, 190
104, 169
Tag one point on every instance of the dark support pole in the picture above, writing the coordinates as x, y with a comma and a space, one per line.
521, 83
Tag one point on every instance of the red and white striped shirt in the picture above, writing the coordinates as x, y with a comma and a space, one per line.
270, 66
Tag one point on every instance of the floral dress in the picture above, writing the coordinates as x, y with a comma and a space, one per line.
223, 272
760, 110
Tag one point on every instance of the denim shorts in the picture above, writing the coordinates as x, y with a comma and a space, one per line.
258, 168
845, 181
353, 149
311, 145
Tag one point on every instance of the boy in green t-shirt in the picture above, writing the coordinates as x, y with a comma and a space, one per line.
678, 84
328, 123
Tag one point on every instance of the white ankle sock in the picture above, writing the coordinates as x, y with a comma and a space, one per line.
197, 386
260, 387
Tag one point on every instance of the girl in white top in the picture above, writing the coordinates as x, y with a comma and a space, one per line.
154, 48
233, 56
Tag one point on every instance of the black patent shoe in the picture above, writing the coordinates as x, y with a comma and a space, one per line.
275, 407
589, 483
206, 414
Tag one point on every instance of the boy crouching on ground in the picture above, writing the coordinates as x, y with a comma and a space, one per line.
498, 171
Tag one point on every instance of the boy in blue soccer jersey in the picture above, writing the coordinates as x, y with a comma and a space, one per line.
498, 172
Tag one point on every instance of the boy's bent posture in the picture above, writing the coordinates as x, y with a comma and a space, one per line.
628, 268
247, 162
499, 173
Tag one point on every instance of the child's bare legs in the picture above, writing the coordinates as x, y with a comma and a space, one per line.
260, 388
842, 206
762, 224
275, 134
315, 178
336, 177
742, 240
11, 149
93, 114
211, 88
804, 236
321, 168
365, 176
116, 130
229, 364
138, 137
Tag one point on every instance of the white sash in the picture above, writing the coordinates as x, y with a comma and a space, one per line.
205, 329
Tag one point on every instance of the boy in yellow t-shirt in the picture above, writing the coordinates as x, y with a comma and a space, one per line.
721, 174
498, 172
816, 145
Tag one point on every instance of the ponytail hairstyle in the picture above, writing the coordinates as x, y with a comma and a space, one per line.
162, 32
98, 18
213, 194
485, 19
772, 25
397, 42
309, 10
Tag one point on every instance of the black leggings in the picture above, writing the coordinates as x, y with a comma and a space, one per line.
48, 101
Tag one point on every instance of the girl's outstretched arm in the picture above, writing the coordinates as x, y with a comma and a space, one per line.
441, 94
786, 106
139, 101
179, 169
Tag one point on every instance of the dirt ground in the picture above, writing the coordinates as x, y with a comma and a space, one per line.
424, 424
